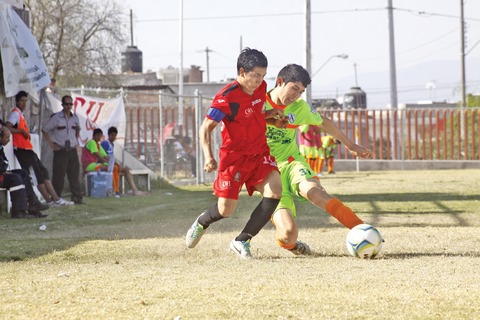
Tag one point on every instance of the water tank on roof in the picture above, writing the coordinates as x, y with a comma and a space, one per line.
132, 60
356, 98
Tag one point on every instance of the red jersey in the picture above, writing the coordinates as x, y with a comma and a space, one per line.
243, 125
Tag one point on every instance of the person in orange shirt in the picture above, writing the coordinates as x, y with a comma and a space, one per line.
27, 158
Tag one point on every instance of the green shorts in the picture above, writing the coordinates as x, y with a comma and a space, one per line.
292, 174
94, 166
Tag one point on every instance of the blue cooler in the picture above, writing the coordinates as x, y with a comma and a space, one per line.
99, 184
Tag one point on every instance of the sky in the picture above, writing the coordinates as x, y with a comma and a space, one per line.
427, 42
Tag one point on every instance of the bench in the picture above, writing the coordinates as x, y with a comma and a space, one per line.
5, 203
140, 176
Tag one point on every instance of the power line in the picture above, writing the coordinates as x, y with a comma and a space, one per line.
416, 12
433, 14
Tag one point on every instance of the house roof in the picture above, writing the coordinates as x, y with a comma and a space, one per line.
135, 81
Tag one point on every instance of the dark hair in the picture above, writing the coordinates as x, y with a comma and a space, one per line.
97, 131
251, 58
112, 130
295, 73
65, 97
20, 95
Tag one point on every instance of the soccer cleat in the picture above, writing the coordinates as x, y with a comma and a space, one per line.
241, 248
194, 234
22, 214
301, 248
63, 202
38, 206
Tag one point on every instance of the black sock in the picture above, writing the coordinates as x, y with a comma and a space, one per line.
259, 218
210, 216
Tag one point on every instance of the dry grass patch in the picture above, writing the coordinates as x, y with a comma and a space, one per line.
126, 258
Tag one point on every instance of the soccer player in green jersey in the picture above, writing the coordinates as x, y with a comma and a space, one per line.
296, 174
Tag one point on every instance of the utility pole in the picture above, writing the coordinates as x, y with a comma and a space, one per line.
355, 70
207, 51
308, 47
180, 75
393, 68
462, 56
462, 64
393, 84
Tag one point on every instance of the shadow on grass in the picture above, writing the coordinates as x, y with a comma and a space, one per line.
408, 255
168, 213
408, 197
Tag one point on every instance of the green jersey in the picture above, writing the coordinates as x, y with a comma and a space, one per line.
282, 142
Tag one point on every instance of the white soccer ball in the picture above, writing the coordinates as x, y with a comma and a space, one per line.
364, 241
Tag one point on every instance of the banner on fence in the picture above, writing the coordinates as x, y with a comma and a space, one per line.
15, 3
22, 61
95, 113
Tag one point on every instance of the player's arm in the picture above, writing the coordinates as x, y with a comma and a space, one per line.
12, 129
305, 137
214, 116
356, 150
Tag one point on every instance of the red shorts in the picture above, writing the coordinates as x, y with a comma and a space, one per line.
249, 170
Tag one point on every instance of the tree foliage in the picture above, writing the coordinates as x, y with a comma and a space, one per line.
79, 38
473, 100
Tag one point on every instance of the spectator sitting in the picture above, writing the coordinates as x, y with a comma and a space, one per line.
19, 184
190, 154
116, 168
27, 158
179, 150
94, 157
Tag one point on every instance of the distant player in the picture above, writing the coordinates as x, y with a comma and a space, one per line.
327, 152
297, 177
244, 157
308, 137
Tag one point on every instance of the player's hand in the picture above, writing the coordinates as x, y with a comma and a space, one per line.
274, 113
281, 123
361, 152
25, 134
55, 147
210, 165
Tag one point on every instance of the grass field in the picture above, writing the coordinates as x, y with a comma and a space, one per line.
126, 258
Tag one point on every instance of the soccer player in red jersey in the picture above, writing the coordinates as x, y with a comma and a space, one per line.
244, 156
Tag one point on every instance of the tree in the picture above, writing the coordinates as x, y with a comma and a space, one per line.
79, 38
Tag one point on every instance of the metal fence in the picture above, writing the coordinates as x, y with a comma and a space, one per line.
407, 134
412, 134
155, 129
155, 122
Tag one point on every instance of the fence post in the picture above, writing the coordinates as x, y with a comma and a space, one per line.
160, 122
200, 174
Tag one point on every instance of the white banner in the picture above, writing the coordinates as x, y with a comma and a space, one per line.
15, 3
23, 64
95, 113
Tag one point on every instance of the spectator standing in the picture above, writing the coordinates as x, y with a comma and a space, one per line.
61, 131
23, 150
115, 168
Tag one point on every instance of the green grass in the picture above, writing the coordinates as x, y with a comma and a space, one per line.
126, 258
